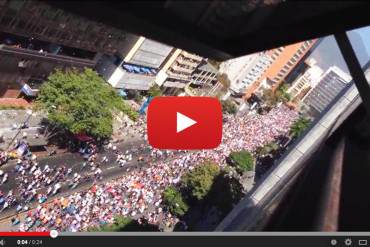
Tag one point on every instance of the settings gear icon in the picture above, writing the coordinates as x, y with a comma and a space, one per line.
348, 242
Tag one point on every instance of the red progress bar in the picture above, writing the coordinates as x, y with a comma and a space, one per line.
24, 234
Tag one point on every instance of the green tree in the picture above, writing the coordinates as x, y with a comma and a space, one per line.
299, 126
200, 180
271, 98
282, 94
81, 102
228, 107
154, 91
267, 148
242, 160
138, 98
173, 200
124, 224
226, 192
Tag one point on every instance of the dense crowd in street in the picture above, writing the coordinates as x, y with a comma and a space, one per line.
136, 194
3, 157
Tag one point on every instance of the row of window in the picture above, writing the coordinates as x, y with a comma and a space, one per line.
258, 69
291, 62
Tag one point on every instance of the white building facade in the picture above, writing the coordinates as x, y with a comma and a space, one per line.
244, 71
307, 80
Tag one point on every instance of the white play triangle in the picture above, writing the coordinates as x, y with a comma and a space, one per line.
183, 122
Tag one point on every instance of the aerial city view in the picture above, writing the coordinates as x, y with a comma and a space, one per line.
74, 97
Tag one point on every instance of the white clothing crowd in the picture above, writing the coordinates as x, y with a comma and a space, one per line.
138, 193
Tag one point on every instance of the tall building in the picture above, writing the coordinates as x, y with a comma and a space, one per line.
309, 79
136, 70
41, 21
329, 86
36, 38
204, 81
204, 74
283, 60
243, 71
177, 71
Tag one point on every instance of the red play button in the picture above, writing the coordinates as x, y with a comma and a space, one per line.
184, 122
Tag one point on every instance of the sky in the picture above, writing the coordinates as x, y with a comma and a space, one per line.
327, 52
365, 35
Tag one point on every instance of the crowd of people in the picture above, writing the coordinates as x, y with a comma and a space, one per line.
138, 193
37, 183
3, 157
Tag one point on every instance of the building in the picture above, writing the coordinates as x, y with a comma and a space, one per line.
235, 67
41, 21
36, 38
329, 86
243, 71
177, 71
204, 74
309, 79
136, 70
20, 67
283, 60
204, 80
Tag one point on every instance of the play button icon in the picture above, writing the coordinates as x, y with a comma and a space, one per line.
183, 122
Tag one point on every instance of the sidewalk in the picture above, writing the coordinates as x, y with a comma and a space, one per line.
10, 120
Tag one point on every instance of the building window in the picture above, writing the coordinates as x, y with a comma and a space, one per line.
280, 74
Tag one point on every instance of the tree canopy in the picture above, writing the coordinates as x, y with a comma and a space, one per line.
267, 148
174, 201
271, 98
154, 91
228, 107
242, 160
299, 126
226, 192
200, 180
81, 102
123, 224
282, 93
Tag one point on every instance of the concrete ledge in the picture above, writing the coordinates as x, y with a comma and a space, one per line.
264, 188
288, 163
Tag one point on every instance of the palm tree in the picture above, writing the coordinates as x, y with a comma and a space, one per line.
299, 126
